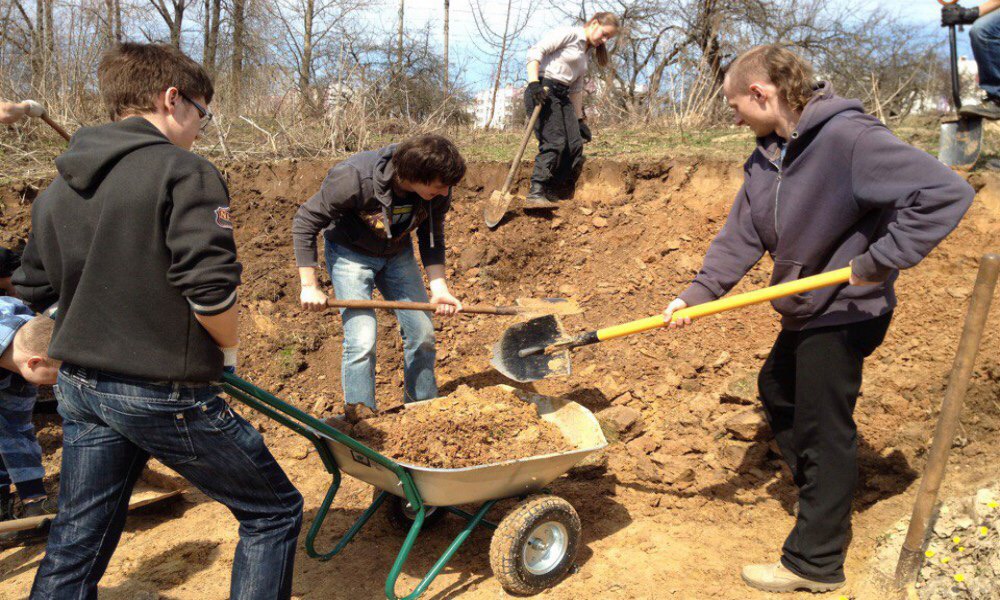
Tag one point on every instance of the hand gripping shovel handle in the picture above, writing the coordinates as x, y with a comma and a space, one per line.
710, 308
423, 306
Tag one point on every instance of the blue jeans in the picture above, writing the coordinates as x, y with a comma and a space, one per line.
354, 276
984, 36
111, 426
20, 454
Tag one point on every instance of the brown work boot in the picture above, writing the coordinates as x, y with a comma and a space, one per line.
776, 578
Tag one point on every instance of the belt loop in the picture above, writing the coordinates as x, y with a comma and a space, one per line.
175, 394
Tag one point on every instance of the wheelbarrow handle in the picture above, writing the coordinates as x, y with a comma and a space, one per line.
478, 309
738, 301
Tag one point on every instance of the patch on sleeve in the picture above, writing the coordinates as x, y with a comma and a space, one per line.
222, 217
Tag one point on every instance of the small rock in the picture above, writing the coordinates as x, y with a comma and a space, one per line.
723, 359
586, 211
618, 419
748, 425
600, 222
739, 389
641, 446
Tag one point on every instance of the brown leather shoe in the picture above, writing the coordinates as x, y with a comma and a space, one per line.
776, 578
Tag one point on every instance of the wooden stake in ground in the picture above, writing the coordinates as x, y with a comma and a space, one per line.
951, 409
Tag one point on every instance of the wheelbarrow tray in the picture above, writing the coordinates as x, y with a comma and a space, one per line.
473, 485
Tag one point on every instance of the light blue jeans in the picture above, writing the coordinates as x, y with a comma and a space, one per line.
984, 36
398, 278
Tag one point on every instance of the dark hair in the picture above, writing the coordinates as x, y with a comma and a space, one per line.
788, 71
131, 75
605, 19
427, 159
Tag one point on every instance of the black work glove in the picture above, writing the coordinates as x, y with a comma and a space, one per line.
585, 131
537, 92
954, 14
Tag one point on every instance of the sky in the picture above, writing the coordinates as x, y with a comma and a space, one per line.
476, 66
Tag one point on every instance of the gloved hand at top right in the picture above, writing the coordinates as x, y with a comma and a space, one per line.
954, 14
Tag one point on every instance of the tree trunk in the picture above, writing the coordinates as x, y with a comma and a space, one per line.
213, 8
446, 20
175, 27
399, 43
236, 70
305, 67
503, 52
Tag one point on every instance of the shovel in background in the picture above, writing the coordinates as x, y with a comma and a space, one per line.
961, 137
538, 348
499, 201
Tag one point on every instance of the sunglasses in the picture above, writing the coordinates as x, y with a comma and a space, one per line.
204, 115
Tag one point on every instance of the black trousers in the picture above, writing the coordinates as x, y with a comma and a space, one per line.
560, 147
809, 385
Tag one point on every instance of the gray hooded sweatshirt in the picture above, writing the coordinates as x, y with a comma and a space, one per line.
846, 190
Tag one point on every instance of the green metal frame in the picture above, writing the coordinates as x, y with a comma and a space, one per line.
315, 430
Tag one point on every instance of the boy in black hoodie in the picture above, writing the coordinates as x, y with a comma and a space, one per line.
135, 242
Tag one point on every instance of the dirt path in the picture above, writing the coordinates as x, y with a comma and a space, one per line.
687, 494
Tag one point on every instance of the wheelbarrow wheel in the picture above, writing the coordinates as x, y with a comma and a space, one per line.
400, 514
535, 544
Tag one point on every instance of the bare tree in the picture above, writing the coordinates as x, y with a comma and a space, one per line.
307, 29
239, 47
447, 18
210, 44
173, 17
498, 42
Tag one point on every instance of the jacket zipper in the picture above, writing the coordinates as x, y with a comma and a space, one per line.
777, 190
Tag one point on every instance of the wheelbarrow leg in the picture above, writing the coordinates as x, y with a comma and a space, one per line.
449, 553
321, 515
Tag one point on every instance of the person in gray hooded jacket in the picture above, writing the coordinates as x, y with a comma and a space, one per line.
828, 187
367, 208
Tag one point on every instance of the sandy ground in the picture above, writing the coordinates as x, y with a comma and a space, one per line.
686, 493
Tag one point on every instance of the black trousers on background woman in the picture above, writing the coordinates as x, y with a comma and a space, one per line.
560, 147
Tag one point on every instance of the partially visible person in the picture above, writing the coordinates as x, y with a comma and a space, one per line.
827, 187
134, 239
557, 66
367, 208
9, 262
24, 345
12, 112
984, 37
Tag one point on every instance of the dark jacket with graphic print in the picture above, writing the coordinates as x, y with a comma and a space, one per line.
354, 208
132, 238
846, 190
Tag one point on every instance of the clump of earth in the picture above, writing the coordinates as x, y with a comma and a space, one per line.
469, 427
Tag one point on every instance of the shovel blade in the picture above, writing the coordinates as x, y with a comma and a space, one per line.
496, 207
961, 142
542, 331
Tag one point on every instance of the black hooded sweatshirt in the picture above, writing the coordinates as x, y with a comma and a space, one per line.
132, 238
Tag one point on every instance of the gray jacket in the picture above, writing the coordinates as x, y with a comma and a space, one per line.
353, 208
847, 189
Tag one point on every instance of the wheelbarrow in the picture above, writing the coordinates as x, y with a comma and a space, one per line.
533, 546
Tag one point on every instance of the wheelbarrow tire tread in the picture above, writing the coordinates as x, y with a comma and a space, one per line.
512, 533
398, 519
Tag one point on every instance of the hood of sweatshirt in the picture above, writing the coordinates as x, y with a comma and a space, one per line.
94, 151
823, 106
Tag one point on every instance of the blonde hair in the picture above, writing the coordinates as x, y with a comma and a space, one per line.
605, 19
34, 336
788, 71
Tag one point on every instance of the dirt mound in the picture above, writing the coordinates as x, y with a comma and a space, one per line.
464, 429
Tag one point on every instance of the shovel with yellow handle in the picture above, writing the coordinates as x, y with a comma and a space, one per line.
539, 348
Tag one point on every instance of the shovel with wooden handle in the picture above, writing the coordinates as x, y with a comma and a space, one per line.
37, 110
531, 307
538, 348
499, 201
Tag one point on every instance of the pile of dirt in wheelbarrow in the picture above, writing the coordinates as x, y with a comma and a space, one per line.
465, 429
